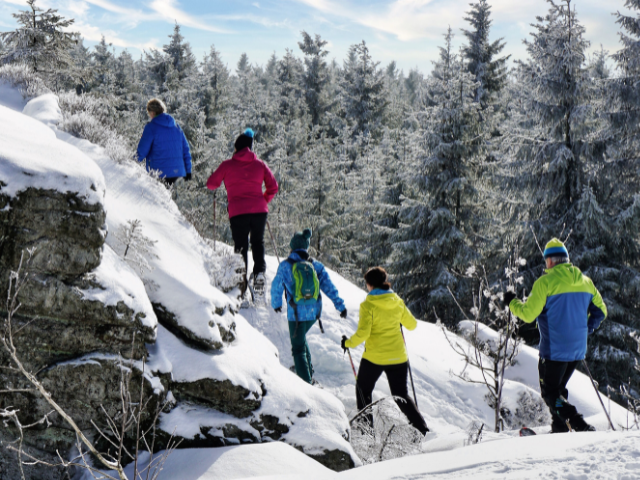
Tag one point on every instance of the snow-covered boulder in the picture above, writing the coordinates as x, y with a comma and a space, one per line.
148, 265
82, 305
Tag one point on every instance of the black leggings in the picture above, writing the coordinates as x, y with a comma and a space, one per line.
243, 226
368, 375
554, 377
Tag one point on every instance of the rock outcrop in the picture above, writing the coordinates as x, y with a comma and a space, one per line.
86, 317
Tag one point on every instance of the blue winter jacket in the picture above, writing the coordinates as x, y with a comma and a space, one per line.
568, 308
165, 147
284, 281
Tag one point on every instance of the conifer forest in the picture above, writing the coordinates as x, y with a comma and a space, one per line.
476, 162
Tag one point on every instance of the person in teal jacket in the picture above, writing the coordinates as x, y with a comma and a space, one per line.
568, 307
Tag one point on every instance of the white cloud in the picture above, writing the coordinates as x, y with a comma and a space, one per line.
93, 33
129, 13
22, 3
169, 11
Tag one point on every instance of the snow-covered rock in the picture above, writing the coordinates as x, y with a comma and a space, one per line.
207, 355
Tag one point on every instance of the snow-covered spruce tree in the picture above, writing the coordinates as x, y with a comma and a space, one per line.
615, 210
103, 62
216, 91
571, 188
436, 242
363, 92
481, 55
315, 76
41, 40
179, 53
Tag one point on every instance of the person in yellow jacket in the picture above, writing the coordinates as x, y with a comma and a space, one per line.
568, 307
382, 316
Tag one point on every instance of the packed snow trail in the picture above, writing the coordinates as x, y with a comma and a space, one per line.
448, 404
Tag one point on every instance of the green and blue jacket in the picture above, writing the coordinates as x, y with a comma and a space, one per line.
568, 307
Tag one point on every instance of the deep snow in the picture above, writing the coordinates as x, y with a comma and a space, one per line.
448, 404
32, 156
180, 280
570, 456
183, 283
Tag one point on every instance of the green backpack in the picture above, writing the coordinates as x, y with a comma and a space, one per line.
306, 287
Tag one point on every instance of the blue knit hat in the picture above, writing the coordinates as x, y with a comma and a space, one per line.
300, 240
555, 248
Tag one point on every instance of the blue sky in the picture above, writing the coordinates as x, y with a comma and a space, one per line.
407, 31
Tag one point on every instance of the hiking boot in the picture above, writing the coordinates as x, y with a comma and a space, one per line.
258, 283
558, 425
579, 425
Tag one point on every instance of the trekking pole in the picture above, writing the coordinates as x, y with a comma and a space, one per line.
275, 247
584, 363
353, 367
355, 375
214, 220
415, 398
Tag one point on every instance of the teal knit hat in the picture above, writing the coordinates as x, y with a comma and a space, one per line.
300, 240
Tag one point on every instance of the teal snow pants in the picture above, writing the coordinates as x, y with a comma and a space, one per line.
300, 349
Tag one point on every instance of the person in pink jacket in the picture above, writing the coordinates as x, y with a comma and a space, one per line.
243, 175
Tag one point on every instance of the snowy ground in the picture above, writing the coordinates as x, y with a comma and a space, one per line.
572, 456
448, 404
181, 281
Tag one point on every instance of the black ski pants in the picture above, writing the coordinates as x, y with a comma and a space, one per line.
368, 375
245, 226
554, 377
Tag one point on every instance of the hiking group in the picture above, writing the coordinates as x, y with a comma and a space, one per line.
565, 303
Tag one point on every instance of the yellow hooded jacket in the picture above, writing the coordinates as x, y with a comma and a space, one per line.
381, 315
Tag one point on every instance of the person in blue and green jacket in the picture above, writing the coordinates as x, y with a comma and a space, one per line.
568, 307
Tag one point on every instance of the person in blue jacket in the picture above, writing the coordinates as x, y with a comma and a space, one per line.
301, 317
164, 145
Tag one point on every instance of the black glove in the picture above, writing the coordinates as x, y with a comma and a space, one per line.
343, 313
508, 297
188, 176
344, 339
278, 310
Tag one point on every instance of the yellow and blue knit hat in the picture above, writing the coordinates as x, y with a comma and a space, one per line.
555, 248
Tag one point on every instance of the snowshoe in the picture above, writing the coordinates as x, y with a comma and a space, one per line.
527, 432
259, 283
256, 286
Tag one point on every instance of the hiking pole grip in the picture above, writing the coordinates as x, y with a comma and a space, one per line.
415, 398
586, 367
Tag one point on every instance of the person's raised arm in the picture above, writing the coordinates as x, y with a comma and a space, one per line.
277, 287
144, 145
530, 310
270, 183
407, 319
597, 311
327, 287
364, 329
216, 178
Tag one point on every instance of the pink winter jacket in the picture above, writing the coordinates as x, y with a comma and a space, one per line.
243, 175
